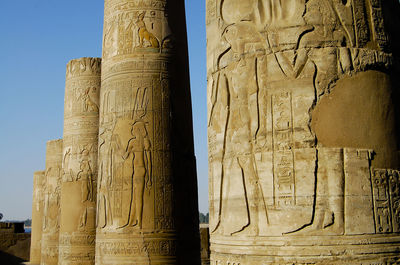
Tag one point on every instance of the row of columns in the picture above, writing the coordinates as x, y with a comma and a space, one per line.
64, 195
120, 188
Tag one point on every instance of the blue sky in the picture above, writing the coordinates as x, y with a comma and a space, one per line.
38, 38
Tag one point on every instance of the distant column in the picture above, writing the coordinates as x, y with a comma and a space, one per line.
78, 190
205, 244
51, 209
37, 216
147, 195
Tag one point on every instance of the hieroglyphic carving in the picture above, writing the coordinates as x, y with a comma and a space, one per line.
361, 27
270, 63
386, 200
149, 247
376, 16
80, 252
394, 191
78, 196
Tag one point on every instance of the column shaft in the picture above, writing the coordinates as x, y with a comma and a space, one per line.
79, 182
39, 185
51, 210
147, 193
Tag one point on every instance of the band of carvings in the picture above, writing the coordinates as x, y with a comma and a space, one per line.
83, 66
149, 247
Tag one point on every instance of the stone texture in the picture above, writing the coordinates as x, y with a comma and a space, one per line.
51, 209
147, 189
303, 143
79, 168
39, 184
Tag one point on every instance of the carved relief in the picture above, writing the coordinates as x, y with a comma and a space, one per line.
83, 66
138, 113
378, 27
131, 171
127, 166
86, 176
78, 196
144, 34
386, 200
147, 247
51, 208
136, 30
52, 199
88, 103
270, 63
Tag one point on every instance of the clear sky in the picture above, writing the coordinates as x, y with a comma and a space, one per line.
37, 39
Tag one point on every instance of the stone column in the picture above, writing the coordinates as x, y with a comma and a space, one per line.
147, 189
303, 143
39, 185
51, 209
205, 244
79, 181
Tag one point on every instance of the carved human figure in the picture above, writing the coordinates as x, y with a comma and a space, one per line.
138, 154
242, 123
104, 211
52, 204
67, 171
85, 175
326, 31
325, 35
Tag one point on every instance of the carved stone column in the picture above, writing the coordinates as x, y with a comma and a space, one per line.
39, 185
147, 189
303, 143
79, 182
51, 209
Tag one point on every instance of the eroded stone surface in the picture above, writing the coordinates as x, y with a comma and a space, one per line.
39, 184
147, 196
79, 171
303, 147
51, 209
